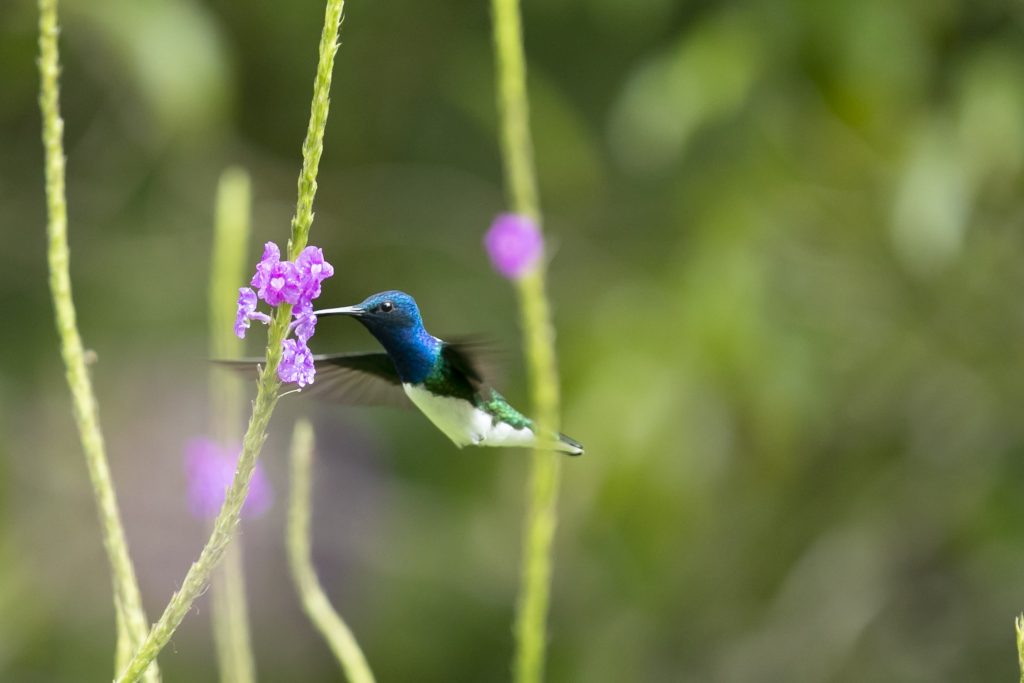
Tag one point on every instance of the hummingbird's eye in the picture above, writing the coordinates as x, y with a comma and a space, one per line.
387, 307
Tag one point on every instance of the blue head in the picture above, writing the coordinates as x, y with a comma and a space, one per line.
394, 319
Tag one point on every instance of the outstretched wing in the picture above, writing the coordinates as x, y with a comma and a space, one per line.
348, 378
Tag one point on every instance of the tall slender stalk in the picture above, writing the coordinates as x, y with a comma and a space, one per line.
535, 316
131, 619
268, 385
300, 557
230, 613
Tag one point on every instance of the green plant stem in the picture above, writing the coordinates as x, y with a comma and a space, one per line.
230, 613
300, 557
268, 386
131, 619
535, 317
514, 109
1018, 625
545, 474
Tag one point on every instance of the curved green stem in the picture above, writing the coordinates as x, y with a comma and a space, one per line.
535, 316
300, 558
268, 386
131, 619
229, 612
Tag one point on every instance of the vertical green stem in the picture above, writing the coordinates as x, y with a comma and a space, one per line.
131, 619
300, 557
545, 474
268, 386
230, 612
535, 315
514, 108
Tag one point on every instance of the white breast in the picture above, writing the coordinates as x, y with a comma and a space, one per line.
465, 424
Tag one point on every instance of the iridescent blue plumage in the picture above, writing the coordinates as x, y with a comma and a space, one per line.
394, 319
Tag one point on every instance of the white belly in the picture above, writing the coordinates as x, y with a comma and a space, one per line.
465, 424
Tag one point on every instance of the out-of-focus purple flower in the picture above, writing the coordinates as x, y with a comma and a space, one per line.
210, 470
304, 326
514, 244
312, 270
296, 363
247, 311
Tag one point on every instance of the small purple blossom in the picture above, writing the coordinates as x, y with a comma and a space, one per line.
304, 326
271, 256
514, 244
282, 284
296, 283
247, 311
296, 363
312, 270
210, 470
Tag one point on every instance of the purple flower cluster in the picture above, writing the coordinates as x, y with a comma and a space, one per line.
210, 470
285, 282
514, 244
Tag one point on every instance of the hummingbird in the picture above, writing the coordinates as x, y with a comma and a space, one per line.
443, 379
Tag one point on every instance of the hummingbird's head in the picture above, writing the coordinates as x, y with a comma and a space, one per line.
391, 310
394, 319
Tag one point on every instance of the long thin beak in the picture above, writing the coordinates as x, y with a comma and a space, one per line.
344, 310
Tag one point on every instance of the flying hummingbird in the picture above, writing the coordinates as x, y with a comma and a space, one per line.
442, 379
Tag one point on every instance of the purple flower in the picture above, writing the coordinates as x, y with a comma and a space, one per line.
271, 256
276, 281
247, 311
282, 284
210, 469
296, 363
514, 244
312, 270
304, 326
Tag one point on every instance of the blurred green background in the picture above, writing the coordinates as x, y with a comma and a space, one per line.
787, 275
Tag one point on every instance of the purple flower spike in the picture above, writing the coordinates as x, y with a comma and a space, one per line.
296, 283
296, 363
210, 469
247, 311
514, 244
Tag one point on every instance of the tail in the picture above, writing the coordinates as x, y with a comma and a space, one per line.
568, 446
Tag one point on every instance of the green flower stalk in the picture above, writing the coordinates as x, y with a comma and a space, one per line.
230, 613
300, 557
535, 316
268, 384
130, 617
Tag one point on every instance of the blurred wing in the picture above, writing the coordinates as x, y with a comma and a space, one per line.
358, 379
474, 358
347, 378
